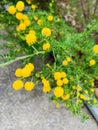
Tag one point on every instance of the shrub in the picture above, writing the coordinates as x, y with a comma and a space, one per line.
70, 58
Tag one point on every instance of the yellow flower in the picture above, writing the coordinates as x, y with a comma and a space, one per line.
59, 82
39, 22
46, 46
22, 26
32, 32
19, 16
57, 75
33, 6
29, 86
95, 48
18, 72
35, 18
79, 88
95, 100
30, 66
30, 39
65, 81
58, 92
20, 5
46, 88
24, 17
26, 72
63, 74
50, 18
18, 84
27, 23
11, 10
28, 1
86, 91
66, 97
82, 96
65, 62
73, 87
68, 59
46, 32
92, 62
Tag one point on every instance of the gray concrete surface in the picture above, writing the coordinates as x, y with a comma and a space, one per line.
23, 110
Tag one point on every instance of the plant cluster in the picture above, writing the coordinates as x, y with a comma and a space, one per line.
70, 58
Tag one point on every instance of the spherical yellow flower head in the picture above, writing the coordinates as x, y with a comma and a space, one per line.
66, 97
95, 48
12, 10
28, 1
57, 75
32, 32
46, 46
30, 67
65, 62
81, 96
30, 39
29, 86
63, 74
26, 72
22, 26
92, 62
59, 82
50, 18
46, 32
33, 7
17, 85
27, 23
39, 22
65, 81
18, 72
46, 87
20, 5
57, 105
58, 92
68, 59
19, 16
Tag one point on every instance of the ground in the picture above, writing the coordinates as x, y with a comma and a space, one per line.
23, 110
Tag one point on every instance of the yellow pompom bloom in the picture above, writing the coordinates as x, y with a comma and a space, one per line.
29, 86
12, 10
92, 62
26, 72
17, 85
24, 17
57, 75
18, 72
46, 32
46, 46
39, 22
57, 105
19, 16
65, 62
82, 96
95, 100
58, 92
32, 32
46, 88
66, 97
30, 66
33, 6
27, 23
30, 39
50, 18
63, 74
59, 82
95, 48
22, 26
68, 59
65, 81
20, 5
